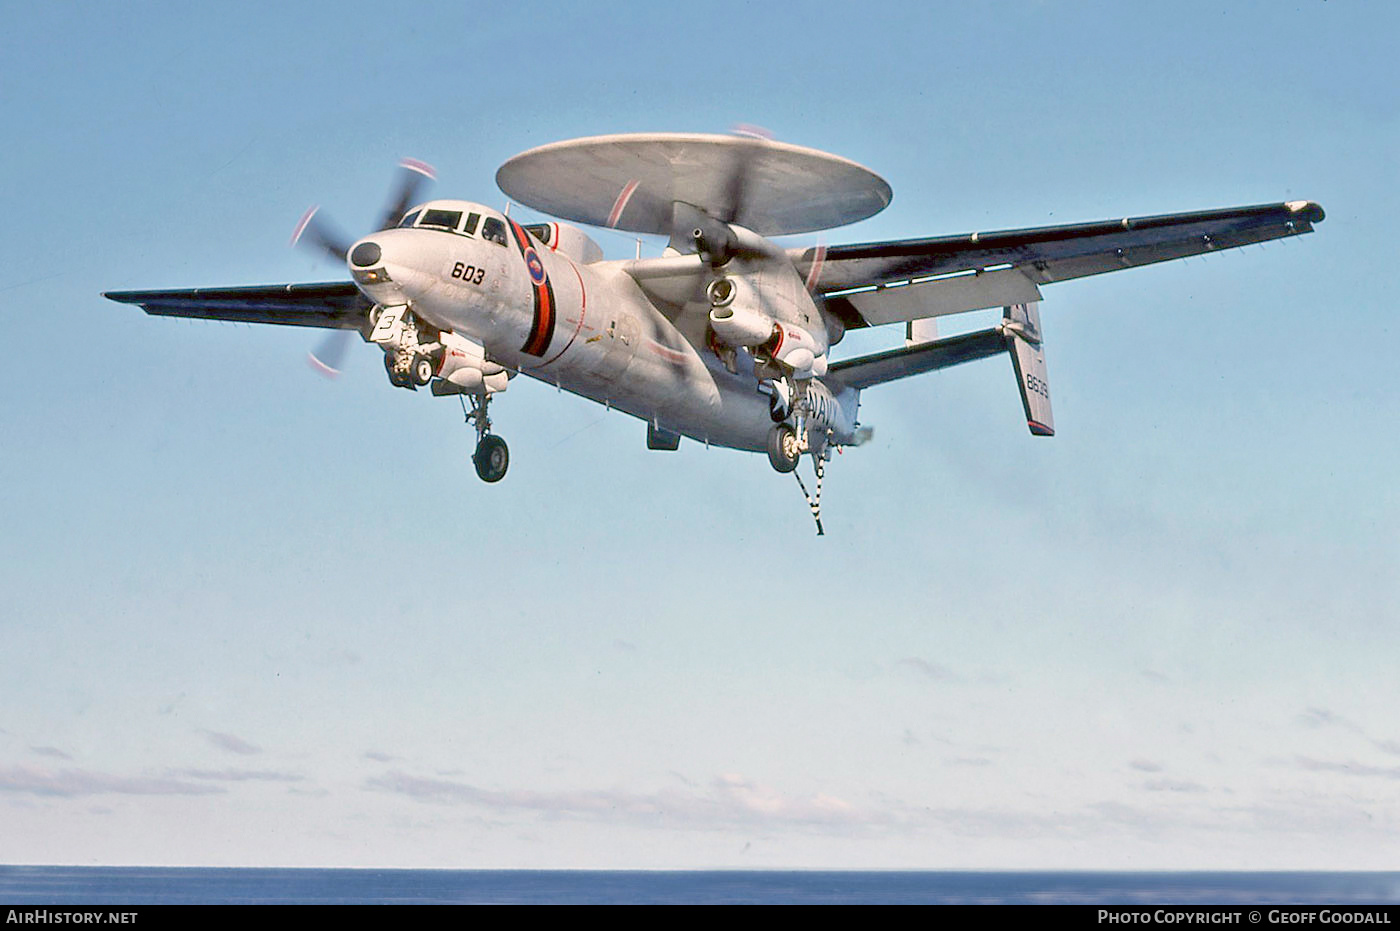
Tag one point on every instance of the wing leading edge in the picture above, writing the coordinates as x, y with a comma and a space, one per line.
330, 305
884, 282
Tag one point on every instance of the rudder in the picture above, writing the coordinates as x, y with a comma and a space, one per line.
1021, 328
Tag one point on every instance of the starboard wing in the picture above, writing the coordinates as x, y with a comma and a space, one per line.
887, 282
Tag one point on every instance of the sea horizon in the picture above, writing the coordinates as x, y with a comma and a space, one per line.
56, 885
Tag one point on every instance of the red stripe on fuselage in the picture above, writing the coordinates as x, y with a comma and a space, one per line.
582, 315
542, 327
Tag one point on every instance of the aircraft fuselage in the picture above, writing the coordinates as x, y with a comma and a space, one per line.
585, 327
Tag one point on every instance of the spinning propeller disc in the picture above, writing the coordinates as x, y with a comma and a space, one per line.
630, 181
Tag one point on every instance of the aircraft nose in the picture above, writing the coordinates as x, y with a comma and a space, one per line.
373, 265
365, 254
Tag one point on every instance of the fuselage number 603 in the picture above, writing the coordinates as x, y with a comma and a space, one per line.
468, 273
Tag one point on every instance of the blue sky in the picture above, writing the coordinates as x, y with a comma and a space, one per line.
256, 617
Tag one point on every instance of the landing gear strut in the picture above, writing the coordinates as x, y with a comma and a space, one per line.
786, 445
492, 457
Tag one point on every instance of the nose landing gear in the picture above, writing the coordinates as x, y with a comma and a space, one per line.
408, 369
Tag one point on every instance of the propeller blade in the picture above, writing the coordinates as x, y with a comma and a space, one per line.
316, 233
737, 186
741, 171
752, 131
814, 272
624, 197
711, 231
413, 176
328, 355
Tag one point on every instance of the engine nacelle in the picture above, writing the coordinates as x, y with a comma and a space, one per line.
733, 317
740, 327
798, 350
465, 365
738, 321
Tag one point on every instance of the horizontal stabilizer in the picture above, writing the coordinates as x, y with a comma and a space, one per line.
876, 369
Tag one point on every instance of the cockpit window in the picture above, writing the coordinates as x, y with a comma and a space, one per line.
410, 219
472, 220
540, 231
441, 219
494, 230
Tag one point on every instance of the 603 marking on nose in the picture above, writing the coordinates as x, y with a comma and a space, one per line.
468, 273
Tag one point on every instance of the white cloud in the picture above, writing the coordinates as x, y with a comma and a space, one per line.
72, 783
1348, 768
1173, 785
231, 743
240, 775
727, 801
1322, 717
50, 751
934, 671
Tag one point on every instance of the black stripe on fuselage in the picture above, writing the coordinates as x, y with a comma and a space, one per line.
542, 326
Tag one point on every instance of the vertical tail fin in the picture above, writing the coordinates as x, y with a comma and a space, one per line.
1021, 328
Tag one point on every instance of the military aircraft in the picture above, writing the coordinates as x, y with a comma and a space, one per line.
726, 337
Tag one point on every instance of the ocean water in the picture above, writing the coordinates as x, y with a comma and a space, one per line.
87, 885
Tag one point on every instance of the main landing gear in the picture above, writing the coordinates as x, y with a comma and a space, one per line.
786, 444
784, 448
492, 456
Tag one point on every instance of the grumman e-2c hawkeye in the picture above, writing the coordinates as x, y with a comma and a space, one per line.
725, 338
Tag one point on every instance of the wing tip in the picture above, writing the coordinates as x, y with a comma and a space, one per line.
1308, 210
